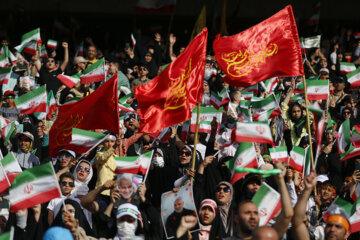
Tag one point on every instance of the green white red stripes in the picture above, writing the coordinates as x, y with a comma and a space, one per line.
245, 157
252, 132
346, 68
11, 166
134, 165
297, 158
279, 154
268, 203
51, 43
338, 206
317, 89
94, 73
32, 102
5, 75
355, 136
69, 81
34, 186
354, 78
82, 140
33, 35
7, 131
343, 136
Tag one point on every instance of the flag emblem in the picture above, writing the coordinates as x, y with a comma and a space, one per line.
28, 188
241, 63
177, 96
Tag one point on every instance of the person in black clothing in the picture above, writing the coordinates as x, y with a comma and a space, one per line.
48, 71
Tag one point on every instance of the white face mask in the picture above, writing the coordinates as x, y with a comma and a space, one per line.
208, 73
126, 229
159, 161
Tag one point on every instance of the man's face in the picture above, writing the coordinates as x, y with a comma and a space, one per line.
248, 217
50, 63
207, 215
335, 231
126, 188
184, 156
222, 194
66, 186
91, 52
178, 206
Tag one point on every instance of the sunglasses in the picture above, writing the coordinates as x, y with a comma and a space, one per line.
224, 189
186, 153
64, 183
86, 169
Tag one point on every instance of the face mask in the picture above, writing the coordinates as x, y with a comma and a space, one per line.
159, 161
126, 229
208, 73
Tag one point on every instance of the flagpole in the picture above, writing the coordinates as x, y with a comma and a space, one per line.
195, 139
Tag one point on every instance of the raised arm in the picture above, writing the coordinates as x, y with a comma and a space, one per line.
298, 226
287, 212
66, 56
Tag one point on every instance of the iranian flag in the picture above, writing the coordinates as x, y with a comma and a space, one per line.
355, 137
245, 157
354, 78
133, 40
268, 105
350, 153
270, 84
297, 158
247, 95
346, 68
207, 114
11, 166
51, 105
312, 42
135, 164
4, 181
7, 131
343, 136
51, 43
215, 100
338, 206
33, 35
69, 81
225, 98
252, 132
317, 89
82, 140
94, 73
268, 203
5, 75
34, 186
32, 102
355, 217
279, 154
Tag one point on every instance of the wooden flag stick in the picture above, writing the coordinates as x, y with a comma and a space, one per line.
195, 139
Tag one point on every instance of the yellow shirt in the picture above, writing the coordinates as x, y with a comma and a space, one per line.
106, 166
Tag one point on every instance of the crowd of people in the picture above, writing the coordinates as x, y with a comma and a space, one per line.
96, 204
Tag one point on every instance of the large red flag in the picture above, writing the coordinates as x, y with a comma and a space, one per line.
268, 49
99, 110
169, 98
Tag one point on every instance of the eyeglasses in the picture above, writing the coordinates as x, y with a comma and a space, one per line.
50, 61
224, 189
186, 153
64, 183
79, 168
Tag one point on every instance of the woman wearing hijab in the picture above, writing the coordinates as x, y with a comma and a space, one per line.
25, 157
75, 210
